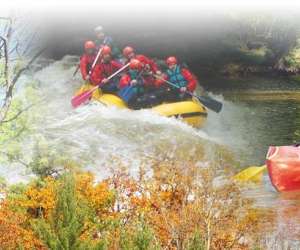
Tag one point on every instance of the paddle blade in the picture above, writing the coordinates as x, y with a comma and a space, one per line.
211, 103
252, 174
127, 93
81, 98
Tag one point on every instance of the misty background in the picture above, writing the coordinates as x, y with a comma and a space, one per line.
212, 40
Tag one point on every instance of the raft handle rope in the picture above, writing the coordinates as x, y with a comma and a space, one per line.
270, 155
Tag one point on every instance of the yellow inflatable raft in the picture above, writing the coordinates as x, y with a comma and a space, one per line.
190, 111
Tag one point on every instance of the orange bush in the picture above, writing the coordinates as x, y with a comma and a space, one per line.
98, 195
38, 199
15, 232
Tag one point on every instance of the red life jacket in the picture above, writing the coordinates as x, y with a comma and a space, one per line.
108, 69
104, 70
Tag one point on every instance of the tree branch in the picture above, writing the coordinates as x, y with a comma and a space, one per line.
19, 113
4, 46
20, 72
9, 92
15, 158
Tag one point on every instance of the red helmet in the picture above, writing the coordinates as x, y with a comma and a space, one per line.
106, 50
135, 64
89, 45
127, 50
171, 60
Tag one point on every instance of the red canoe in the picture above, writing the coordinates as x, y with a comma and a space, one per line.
284, 167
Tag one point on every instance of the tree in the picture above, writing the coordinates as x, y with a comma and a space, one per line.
189, 205
14, 62
67, 222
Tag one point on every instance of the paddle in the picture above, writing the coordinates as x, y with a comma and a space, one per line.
83, 97
95, 61
207, 101
126, 93
252, 173
76, 70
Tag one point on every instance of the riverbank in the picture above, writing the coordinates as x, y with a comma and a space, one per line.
219, 84
263, 95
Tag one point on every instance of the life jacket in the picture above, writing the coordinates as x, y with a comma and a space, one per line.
134, 74
137, 75
176, 77
107, 69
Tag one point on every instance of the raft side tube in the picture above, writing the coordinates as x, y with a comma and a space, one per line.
191, 111
112, 100
283, 164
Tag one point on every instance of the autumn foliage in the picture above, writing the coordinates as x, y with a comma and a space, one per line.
171, 206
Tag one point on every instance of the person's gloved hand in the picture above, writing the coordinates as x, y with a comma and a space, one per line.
104, 81
147, 67
87, 78
183, 89
133, 82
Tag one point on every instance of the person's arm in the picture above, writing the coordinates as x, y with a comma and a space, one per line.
160, 82
96, 76
191, 80
83, 67
153, 66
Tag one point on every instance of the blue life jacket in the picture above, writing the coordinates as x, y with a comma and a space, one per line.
176, 77
130, 93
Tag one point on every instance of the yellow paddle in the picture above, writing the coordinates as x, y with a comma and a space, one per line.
252, 174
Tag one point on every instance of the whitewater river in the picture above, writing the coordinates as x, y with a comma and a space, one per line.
101, 138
